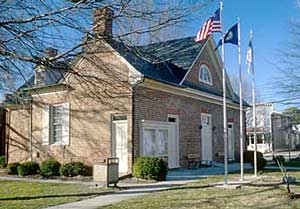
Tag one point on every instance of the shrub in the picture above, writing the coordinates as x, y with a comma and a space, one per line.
249, 156
28, 168
50, 168
73, 169
280, 159
261, 163
150, 168
2, 161
12, 168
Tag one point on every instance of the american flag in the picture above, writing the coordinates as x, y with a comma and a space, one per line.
212, 25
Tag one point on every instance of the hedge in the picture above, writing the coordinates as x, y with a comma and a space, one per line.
12, 168
2, 161
28, 168
73, 169
150, 168
249, 158
50, 168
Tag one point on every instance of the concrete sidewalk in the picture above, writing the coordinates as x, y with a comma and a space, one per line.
175, 178
197, 173
130, 191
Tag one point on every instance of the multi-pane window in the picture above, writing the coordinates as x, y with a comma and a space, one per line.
204, 75
57, 123
155, 142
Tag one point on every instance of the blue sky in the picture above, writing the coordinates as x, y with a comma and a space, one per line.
270, 22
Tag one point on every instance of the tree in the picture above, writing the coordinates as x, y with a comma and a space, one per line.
287, 84
294, 113
246, 88
28, 27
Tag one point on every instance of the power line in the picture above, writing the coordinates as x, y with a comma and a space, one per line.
284, 100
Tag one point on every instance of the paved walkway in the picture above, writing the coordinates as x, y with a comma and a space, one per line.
175, 178
288, 168
216, 169
130, 191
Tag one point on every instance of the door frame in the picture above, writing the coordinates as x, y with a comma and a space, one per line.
233, 138
114, 141
177, 136
210, 115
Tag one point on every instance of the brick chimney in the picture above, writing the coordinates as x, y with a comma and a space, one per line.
102, 22
41, 74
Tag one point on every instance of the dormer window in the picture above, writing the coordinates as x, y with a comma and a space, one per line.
205, 75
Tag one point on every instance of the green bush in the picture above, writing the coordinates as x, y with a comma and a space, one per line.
280, 159
249, 156
28, 168
2, 161
12, 168
261, 163
73, 169
150, 168
50, 168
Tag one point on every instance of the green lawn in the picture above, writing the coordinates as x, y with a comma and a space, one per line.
31, 195
266, 194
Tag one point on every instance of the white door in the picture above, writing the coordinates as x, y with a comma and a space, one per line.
120, 144
230, 141
206, 136
174, 142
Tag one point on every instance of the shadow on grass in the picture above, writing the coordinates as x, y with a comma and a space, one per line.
55, 196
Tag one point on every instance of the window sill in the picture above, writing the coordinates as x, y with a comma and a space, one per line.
58, 144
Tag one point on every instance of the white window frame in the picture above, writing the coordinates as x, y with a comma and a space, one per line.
156, 126
48, 126
59, 141
209, 74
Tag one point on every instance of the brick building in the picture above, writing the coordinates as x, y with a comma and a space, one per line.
163, 99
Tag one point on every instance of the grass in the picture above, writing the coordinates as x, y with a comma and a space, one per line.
266, 193
33, 195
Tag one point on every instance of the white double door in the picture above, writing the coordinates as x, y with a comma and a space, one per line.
120, 144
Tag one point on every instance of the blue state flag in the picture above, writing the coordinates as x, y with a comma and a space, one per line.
231, 36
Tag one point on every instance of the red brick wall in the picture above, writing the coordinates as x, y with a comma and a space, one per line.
153, 104
205, 58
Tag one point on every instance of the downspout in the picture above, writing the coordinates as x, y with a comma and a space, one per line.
7, 130
134, 85
30, 130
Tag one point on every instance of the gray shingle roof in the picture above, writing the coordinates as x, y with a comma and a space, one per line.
180, 52
167, 62
54, 73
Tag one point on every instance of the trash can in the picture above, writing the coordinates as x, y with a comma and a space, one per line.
106, 170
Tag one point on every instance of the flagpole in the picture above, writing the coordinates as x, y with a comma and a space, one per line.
254, 110
224, 101
241, 102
